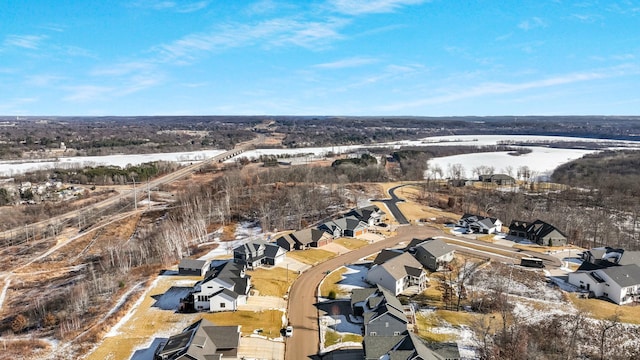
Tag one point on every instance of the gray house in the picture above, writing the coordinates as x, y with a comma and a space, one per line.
348, 226
545, 234
192, 267
371, 215
383, 314
408, 346
304, 239
258, 252
434, 254
202, 340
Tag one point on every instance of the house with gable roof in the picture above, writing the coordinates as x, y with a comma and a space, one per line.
201, 340
382, 312
543, 233
480, 224
618, 283
370, 215
407, 347
304, 239
348, 226
192, 267
398, 273
224, 288
434, 254
258, 252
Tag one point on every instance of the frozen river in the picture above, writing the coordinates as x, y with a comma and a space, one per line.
540, 161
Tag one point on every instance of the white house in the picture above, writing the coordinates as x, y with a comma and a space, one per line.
398, 273
480, 224
620, 284
224, 288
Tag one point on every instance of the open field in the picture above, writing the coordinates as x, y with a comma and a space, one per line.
600, 309
272, 282
311, 256
330, 283
350, 243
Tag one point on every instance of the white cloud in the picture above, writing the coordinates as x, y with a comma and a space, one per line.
43, 80
81, 93
24, 41
532, 23
271, 33
180, 6
486, 89
347, 63
358, 7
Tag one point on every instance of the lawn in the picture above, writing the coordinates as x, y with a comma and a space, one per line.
332, 337
311, 256
270, 321
330, 283
272, 282
351, 244
601, 309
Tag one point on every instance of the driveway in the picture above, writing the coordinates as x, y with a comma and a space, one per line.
256, 348
260, 303
293, 265
393, 207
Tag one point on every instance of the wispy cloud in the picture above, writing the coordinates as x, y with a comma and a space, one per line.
81, 93
43, 80
347, 63
487, 89
313, 35
532, 23
180, 6
359, 7
13, 105
32, 42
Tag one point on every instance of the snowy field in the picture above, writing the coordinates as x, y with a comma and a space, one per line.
540, 160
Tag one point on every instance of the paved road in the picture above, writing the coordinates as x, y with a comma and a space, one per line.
303, 315
178, 174
393, 207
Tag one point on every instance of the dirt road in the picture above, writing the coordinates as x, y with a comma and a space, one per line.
303, 315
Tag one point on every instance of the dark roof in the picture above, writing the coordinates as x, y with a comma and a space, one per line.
364, 213
519, 224
192, 264
542, 229
376, 346
192, 342
359, 295
308, 236
436, 247
386, 254
415, 242
629, 257
625, 275
271, 250
229, 272
397, 266
407, 347
597, 265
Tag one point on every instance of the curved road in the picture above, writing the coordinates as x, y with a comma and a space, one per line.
303, 315
393, 208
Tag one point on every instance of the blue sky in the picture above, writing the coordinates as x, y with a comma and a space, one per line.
325, 57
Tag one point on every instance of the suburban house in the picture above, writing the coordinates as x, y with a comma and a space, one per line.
225, 287
382, 312
434, 254
605, 256
545, 234
498, 179
348, 226
480, 224
193, 267
620, 284
370, 215
408, 346
258, 252
398, 273
539, 232
518, 228
304, 239
202, 340
386, 254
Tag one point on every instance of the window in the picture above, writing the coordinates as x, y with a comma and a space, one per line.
386, 324
396, 333
373, 333
223, 305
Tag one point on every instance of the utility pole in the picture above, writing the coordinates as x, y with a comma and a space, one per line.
135, 196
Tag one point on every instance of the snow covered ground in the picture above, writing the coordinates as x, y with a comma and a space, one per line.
540, 160
354, 277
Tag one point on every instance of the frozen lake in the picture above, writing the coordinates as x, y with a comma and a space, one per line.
541, 160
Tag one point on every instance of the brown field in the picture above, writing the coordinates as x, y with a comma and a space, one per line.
272, 282
311, 256
601, 309
351, 244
